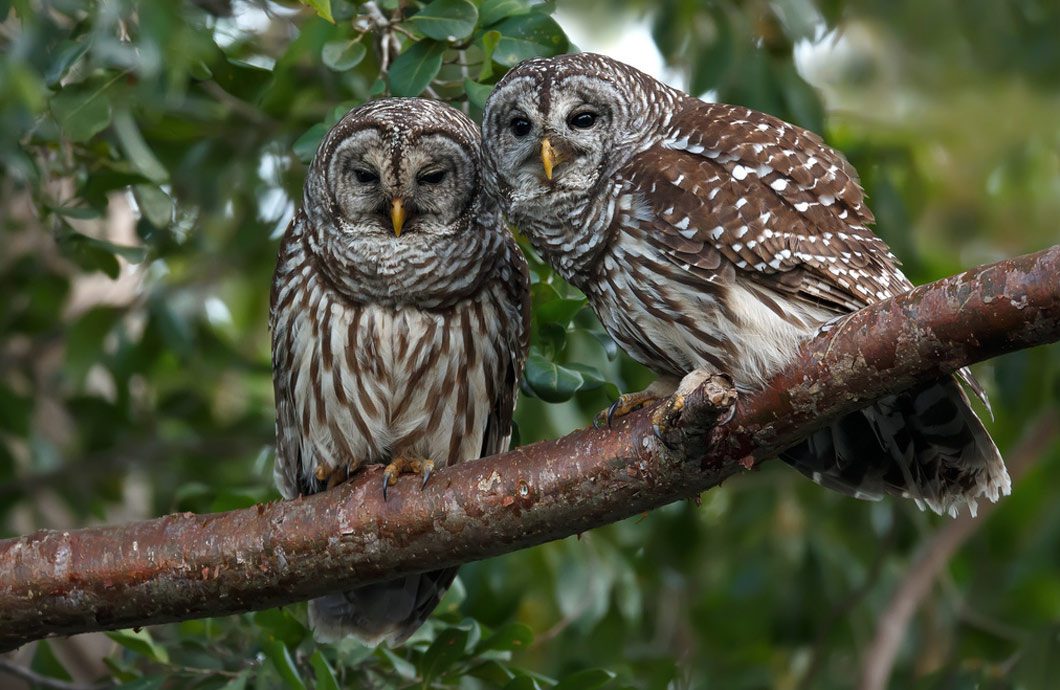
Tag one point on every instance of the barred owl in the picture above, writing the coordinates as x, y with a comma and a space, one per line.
710, 236
399, 316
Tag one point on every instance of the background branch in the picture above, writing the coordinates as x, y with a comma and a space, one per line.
186, 566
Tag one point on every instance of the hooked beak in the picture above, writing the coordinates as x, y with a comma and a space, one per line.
549, 157
397, 216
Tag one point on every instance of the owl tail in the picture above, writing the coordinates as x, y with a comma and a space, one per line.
925, 443
390, 610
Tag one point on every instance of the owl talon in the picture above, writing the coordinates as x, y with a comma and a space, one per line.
626, 403
404, 464
428, 467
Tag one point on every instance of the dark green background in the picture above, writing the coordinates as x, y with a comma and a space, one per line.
150, 153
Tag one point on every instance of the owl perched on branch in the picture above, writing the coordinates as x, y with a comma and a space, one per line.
399, 317
710, 236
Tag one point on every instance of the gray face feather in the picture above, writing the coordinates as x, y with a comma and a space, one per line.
423, 153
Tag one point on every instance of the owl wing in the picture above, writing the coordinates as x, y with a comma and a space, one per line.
287, 471
729, 184
515, 342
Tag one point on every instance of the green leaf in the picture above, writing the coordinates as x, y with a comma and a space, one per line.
64, 60
280, 657
445, 651
140, 642
588, 679
86, 338
446, 20
82, 113
401, 667
343, 55
477, 93
136, 149
511, 637
153, 683
322, 7
521, 683
155, 204
489, 42
46, 663
280, 624
305, 146
414, 69
550, 381
78, 212
325, 676
492, 11
528, 36
493, 672
237, 683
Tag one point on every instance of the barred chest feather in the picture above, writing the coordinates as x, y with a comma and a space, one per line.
367, 381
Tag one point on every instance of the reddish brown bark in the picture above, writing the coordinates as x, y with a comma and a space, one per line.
187, 566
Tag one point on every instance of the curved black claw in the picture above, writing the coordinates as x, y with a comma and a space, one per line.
657, 432
611, 412
428, 467
387, 476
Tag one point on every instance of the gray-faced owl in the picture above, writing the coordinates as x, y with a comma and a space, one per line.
399, 315
714, 237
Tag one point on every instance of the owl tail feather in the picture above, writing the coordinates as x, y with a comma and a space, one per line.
390, 610
925, 443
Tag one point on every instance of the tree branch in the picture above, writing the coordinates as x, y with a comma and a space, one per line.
187, 566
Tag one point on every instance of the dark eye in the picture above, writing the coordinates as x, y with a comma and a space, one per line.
520, 126
432, 177
582, 120
365, 176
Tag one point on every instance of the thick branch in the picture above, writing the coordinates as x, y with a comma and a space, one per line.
186, 566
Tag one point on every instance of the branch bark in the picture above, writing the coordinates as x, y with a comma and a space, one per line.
188, 566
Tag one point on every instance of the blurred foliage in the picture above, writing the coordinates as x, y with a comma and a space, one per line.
153, 153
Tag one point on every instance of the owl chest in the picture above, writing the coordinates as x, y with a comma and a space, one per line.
380, 381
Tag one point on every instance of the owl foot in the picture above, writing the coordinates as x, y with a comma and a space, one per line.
404, 464
334, 476
631, 402
714, 392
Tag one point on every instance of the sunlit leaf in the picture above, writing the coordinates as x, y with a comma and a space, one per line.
492, 11
140, 642
343, 55
322, 8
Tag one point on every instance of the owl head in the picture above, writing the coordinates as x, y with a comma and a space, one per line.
394, 191
560, 125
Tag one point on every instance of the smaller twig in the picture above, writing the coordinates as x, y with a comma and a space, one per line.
31, 676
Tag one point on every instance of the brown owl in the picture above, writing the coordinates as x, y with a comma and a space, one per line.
399, 317
711, 236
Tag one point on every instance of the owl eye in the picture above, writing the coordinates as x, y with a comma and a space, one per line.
520, 126
365, 176
582, 120
431, 177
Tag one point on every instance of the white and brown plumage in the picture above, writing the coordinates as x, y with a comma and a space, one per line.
399, 326
711, 236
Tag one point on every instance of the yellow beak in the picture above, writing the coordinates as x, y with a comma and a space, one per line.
397, 215
549, 157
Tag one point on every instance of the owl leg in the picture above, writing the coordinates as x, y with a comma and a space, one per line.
660, 388
665, 415
406, 464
